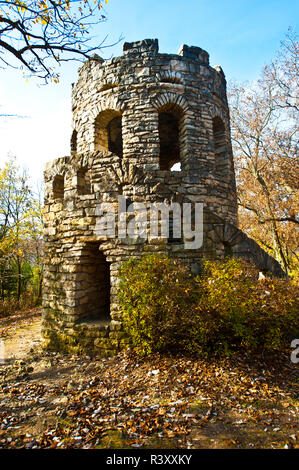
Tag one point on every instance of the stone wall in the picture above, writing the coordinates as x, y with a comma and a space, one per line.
134, 117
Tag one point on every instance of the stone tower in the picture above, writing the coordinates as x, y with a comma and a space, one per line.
153, 128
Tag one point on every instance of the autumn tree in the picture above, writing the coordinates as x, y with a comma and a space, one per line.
35, 240
264, 124
37, 34
20, 229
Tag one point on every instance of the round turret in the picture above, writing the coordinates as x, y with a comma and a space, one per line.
150, 150
159, 110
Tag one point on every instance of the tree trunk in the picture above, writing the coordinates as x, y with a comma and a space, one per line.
19, 285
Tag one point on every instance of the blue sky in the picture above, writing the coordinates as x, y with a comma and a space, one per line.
241, 36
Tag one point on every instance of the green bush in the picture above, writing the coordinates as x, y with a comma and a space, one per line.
224, 309
30, 287
236, 310
157, 299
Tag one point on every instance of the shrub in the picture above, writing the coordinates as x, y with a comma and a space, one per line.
157, 298
9, 306
236, 310
224, 309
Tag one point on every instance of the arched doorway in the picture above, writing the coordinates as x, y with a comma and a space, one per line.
93, 279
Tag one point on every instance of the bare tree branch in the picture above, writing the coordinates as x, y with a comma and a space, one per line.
37, 34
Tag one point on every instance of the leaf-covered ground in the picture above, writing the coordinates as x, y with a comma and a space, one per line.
51, 400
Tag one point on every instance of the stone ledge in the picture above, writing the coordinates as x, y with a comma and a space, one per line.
98, 324
146, 45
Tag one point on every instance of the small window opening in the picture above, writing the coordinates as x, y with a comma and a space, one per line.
170, 135
115, 142
176, 167
228, 251
174, 230
58, 187
83, 181
74, 141
108, 132
171, 80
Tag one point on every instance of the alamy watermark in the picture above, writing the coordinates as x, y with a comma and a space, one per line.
295, 353
151, 221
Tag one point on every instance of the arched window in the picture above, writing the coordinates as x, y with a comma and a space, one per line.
170, 135
74, 141
108, 132
95, 270
83, 181
58, 187
220, 145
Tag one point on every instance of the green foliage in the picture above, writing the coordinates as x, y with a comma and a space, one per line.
157, 296
223, 310
11, 305
20, 239
30, 279
235, 309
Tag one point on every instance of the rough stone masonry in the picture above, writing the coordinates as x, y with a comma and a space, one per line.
150, 127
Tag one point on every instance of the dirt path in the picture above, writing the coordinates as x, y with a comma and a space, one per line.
19, 335
49, 400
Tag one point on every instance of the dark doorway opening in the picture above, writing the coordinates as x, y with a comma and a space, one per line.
94, 281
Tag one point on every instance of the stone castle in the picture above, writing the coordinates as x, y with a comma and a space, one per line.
153, 128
